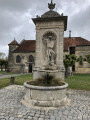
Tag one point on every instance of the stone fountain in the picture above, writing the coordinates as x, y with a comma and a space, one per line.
50, 29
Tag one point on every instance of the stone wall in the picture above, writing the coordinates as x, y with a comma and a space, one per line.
66, 53
11, 57
56, 27
82, 51
23, 66
44, 27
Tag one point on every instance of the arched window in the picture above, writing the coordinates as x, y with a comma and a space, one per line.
18, 59
31, 59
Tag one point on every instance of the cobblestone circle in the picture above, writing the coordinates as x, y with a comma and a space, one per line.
12, 109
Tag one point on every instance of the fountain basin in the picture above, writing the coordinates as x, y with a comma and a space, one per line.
45, 96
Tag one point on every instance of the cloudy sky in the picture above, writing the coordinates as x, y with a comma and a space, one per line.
15, 18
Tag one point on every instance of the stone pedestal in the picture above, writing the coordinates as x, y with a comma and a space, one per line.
44, 29
57, 74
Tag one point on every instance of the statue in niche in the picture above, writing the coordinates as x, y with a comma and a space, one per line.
50, 53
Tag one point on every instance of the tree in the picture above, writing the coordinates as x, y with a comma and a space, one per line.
80, 60
2, 55
69, 60
88, 58
3, 64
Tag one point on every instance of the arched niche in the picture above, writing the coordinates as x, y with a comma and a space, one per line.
49, 40
50, 33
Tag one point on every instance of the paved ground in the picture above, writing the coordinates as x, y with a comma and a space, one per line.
12, 109
2, 76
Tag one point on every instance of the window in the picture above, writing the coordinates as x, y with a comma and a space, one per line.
31, 59
72, 50
18, 59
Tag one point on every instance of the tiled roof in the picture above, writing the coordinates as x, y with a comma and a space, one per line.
26, 46
29, 45
14, 42
74, 41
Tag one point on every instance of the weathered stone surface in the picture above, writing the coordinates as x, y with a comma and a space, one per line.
12, 109
45, 96
82, 51
49, 50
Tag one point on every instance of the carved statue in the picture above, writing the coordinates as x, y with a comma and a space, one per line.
50, 53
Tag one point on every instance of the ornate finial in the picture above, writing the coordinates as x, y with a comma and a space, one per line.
51, 6
14, 38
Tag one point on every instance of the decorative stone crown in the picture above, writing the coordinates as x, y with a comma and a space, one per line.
51, 12
51, 5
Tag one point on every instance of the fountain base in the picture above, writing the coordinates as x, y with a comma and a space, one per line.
45, 96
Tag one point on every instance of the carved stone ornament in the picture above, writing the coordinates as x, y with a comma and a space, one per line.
50, 55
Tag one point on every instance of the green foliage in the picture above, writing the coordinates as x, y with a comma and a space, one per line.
19, 80
3, 63
80, 60
88, 58
69, 60
79, 81
4, 82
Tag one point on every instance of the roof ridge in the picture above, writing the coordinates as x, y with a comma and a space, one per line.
14, 42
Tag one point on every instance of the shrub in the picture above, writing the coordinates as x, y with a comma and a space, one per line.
3, 64
80, 60
88, 58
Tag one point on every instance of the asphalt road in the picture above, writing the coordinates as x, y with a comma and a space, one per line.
2, 76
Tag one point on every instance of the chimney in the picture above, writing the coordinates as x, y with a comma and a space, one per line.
69, 33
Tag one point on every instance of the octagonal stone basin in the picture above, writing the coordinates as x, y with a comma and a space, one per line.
45, 96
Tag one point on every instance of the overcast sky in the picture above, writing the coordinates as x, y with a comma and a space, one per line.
15, 18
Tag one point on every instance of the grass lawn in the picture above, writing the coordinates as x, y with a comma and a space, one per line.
78, 81
19, 80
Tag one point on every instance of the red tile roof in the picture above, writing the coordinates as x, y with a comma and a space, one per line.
74, 41
29, 45
14, 42
26, 46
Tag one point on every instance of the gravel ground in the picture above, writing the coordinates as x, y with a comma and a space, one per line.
12, 109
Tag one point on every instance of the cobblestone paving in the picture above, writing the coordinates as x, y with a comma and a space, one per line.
12, 109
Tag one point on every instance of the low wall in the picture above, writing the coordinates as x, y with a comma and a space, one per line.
84, 68
45, 96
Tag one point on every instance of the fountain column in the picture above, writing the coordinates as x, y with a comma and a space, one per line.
49, 24
50, 91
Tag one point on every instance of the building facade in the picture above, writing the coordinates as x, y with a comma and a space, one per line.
22, 56
83, 67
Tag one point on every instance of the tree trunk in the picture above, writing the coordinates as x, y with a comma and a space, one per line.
66, 72
1, 67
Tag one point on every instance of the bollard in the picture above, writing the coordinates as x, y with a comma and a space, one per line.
12, 80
